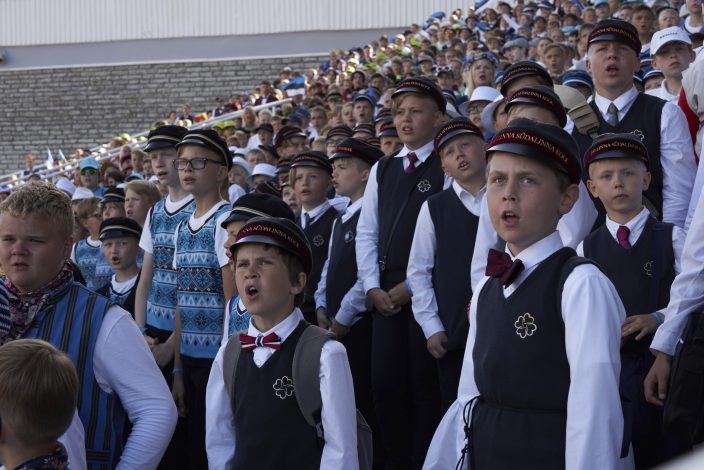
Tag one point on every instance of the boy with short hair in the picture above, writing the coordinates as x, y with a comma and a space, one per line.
444, 240
113, 203
311, 179
533, 366
671, 51
88, 253
363, 108
203, 282
38, 397
261, 425
641, 257
289, 141
120, 239
404, 380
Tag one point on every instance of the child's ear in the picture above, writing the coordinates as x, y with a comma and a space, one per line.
568, 198
646, 180
592, 188
364, 176
300, 284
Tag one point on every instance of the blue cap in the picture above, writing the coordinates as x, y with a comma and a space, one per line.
651, 73
89, 162
574, 78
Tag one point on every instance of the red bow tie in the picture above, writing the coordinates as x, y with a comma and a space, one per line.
499, 265
271, 340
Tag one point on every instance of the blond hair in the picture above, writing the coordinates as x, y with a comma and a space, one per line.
38, 390
88, 207
42, 200
145, 189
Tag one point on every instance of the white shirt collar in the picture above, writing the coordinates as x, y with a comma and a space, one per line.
533, 256
422, 153
623, 102
470, 201
314, 213
282, 329
635, 225
354, 207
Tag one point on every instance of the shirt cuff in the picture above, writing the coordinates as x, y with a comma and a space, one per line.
432, 326
664, 342
370, 284
345, 317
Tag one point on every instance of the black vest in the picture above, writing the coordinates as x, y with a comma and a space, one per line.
522, 373
400, 198
270, 427
455, 234
631, 271
342, 265
318, 235
643, 119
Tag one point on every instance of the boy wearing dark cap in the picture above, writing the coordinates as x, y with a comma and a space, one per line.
112, 203
363, 108
236, 319
87, 254
641, 257
539, 103
289, 141
261, 425
521, 75
203, 282
544, 328
442, 249
311, 179
613, 58
404, 380
120, 239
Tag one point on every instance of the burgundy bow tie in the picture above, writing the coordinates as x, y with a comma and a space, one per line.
271, 340
499, 265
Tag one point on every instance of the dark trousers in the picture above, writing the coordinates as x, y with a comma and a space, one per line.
195, 379
405, 389
176, 455
449, 371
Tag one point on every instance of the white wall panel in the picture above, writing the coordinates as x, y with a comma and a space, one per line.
37, 22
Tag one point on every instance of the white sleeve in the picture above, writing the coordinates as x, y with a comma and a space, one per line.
578, 222
220, 239
593, 314
145, 241
225, 323
73, 253
219, 421
338, 414
696, 193
320, 292
420, 274
580, 249
678, 238
367, 240
678, 165
486, 240
353, 303
75, 443
124, 365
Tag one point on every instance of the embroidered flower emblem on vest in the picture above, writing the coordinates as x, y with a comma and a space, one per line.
525, 325
424, 186
638, 133
648, 268
349, 236
318, 240
283, 387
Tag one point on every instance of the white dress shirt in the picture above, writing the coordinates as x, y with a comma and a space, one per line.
422, 260
636, 226
593, 314
123, 365
354, 301
663, 93
573, 228
338, 412
145, 242
687, 291
313, 213
367, 243
676, 154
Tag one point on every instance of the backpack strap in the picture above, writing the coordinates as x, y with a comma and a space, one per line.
229, 367
306, 374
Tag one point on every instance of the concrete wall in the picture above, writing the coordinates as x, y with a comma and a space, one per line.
65, 108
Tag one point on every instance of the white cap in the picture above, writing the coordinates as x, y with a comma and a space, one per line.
264, 169
484, 93
82, 193
488, 114
671, 34
66, 186
239, 161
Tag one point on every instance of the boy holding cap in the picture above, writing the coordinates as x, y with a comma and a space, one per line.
89, 170
533, 366
203, 282
404, 380
641, 257
261, 425
671, 51
442, 249
311, 179
120, 239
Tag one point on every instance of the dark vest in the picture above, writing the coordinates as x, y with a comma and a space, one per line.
123, 299
271, 430
72, 324
642, 119
455, 234
400, 198
318, 235
631, 271
522, 373
342, 265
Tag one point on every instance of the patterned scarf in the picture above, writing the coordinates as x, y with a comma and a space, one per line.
57, 460
17, 314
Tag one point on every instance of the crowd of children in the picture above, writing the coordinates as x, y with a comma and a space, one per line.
474, 246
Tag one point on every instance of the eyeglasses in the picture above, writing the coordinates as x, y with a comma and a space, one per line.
476, 109
196, 163
89, 171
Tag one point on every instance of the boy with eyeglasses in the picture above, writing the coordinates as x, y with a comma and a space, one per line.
89, 170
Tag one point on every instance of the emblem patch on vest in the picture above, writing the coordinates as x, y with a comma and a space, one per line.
638, 133
525, 325
424, 186
283, 387
648, 268
349, 236
318, 240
